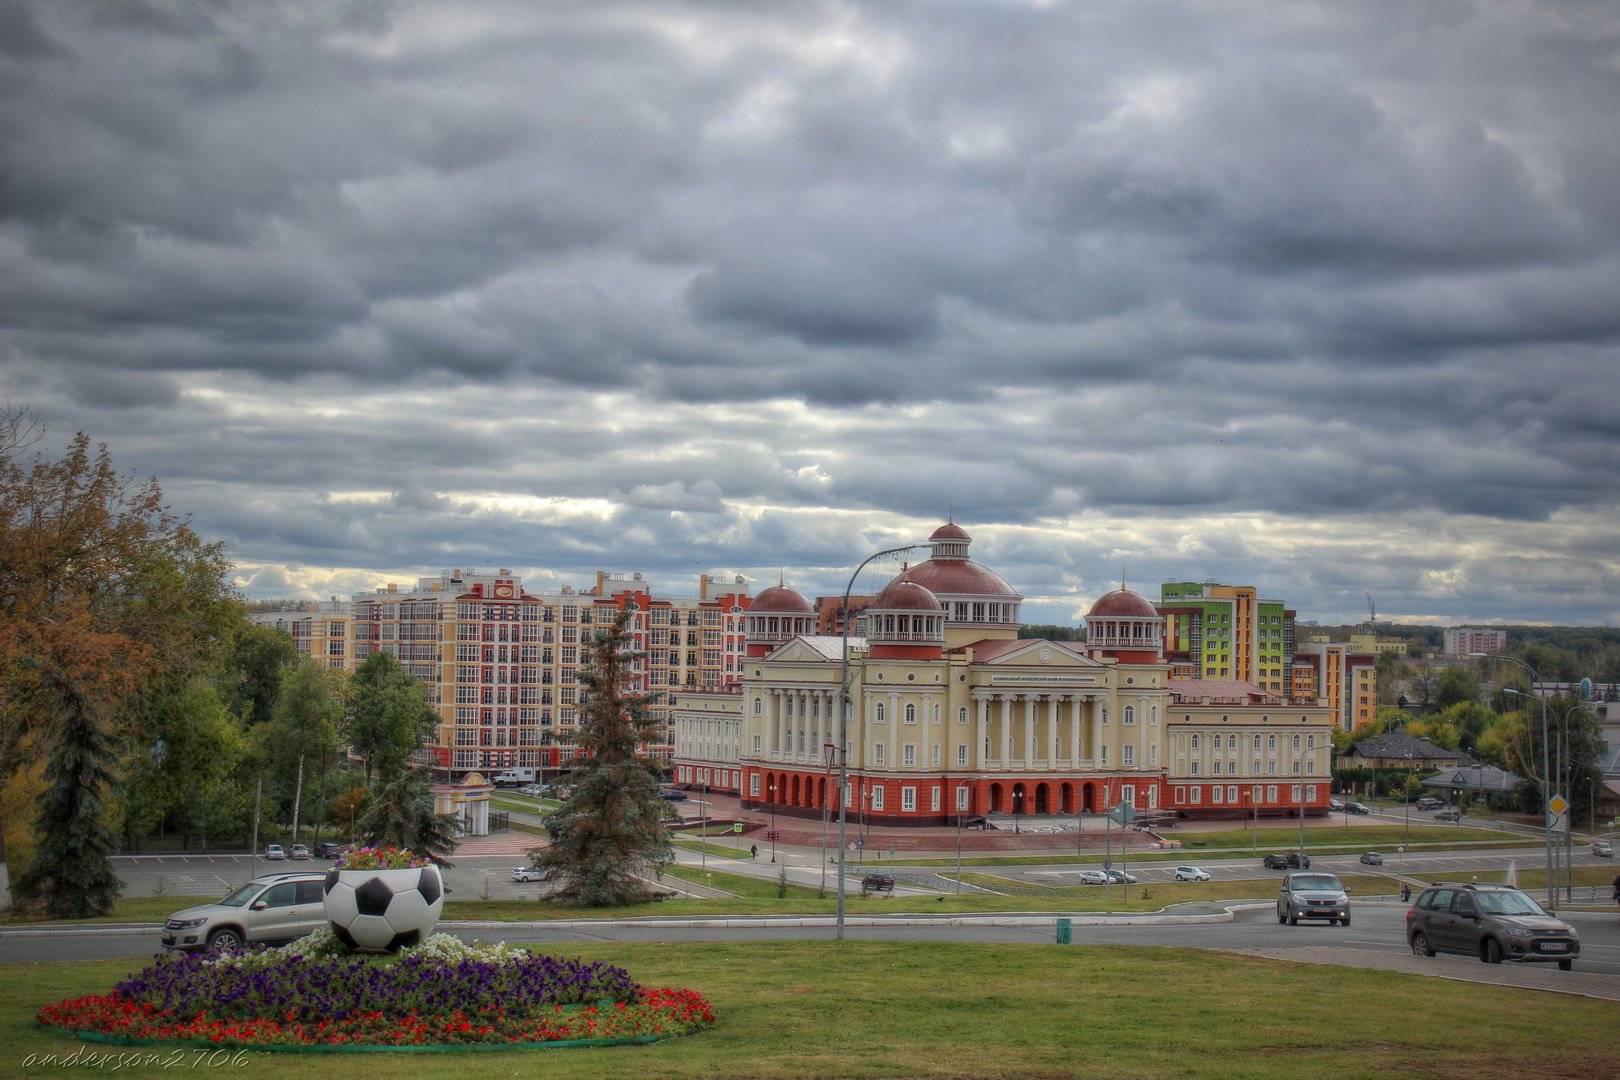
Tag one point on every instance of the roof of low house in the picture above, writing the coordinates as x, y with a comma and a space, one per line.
1398, 744
1473, 778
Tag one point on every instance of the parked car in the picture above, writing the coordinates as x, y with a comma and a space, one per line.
298, 851
1191, 873
1335, 805
1357, 808
531, 790
530, 873
1312, 896
1120, 877
877, 883
274, 853
673, 796
1276, 860
1492, 922
1448, 815
1603, 849
1093, 877
1372, 858
1429, 802
267, 910
326, 850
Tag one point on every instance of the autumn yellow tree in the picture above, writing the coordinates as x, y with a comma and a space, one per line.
103, 592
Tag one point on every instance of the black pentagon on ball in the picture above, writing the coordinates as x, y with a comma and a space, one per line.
344, 936
403, 939
331, 880
428, 884
373, 897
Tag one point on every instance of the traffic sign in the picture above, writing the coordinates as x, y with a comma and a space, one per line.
1558, 805
736, 826
1123, 814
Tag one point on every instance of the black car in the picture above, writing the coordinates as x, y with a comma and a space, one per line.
328, 851
673, 796
1276, 861
1357, 808
878, 883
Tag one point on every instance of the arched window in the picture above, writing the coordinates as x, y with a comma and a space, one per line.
1271, 742
961, 715
1296, 742
879, 716
911, 714
1231, 742
1130, 714
759, 706
1195, 742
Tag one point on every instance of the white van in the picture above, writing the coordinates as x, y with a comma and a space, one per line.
513, 777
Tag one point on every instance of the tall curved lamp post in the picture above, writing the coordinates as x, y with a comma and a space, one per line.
1545, 766
772, 789
843, 723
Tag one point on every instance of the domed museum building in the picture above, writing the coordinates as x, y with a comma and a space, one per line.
953, 715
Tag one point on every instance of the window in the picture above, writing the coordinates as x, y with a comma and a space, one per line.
961, 754
936, 712
1153, 754
1130, 755
1192, 768
1271, 742
1195, 742
911, 714
908, 755
1130, 714
1105, 755
1231, 795
1231, 742
1296, 742
756, 744
877, 754
753, 785
908, 799
933, 800
878, 716
961, 799
1215, 794
961, 716
1257, 742
1197, 792
877, 798
759, 706
1310, 742
1231, 767
934, 759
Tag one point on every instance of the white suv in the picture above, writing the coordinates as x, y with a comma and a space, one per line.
1191, 873
267, 910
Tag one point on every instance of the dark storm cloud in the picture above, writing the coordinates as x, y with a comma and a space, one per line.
1304, 295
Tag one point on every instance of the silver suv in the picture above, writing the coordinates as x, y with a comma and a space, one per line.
267, 910
1312, 896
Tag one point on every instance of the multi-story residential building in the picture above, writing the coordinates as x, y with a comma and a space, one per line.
1343, 679
501, 664
951, 714
1467, 641
1227, 632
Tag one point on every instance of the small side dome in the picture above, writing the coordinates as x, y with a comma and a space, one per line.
905, 595
780, 598
1122, 603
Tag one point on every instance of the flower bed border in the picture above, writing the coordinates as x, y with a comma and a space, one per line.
354, 1048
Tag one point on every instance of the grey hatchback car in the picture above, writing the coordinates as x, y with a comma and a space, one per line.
1492, 922
267, 910
1312, 896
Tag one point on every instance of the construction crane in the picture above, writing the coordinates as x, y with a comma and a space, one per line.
1372, 615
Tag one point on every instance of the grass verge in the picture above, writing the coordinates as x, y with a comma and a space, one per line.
869, 1009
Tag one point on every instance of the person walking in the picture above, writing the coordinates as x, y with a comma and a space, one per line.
753, 851
1406, 892
1617, 889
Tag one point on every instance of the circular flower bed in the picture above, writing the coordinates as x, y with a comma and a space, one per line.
313, 993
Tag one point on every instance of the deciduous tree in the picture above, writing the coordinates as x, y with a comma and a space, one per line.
389, 716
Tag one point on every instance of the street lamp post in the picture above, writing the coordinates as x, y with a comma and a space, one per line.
1545, 769
826, 807
771, 787
843, 723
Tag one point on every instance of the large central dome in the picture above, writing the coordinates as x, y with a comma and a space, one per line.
973, 596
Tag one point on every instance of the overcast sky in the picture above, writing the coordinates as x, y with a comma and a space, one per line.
1320, 297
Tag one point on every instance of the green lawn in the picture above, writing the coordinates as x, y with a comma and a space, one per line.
857, 1009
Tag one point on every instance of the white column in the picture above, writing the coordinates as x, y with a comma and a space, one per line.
981, 725
893, 756
1006, 730
1076, 718
1051, 740
1029, 729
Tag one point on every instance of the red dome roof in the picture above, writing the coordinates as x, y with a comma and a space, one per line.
1122, 603
781, 598
956, 577
904, 595
950, 531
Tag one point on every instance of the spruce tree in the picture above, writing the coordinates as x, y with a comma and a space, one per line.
403, 816
71, 875
609, 838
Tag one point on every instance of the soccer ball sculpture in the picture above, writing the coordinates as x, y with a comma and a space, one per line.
383, 910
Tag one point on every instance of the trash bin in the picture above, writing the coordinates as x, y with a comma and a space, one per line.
1065, 932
